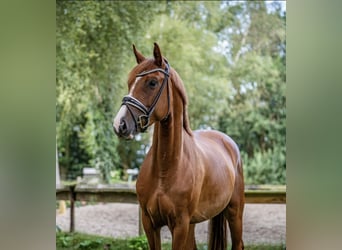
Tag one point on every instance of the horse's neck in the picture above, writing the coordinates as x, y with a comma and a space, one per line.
169, 138
167, 142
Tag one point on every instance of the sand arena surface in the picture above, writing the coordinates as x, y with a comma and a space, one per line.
263, 223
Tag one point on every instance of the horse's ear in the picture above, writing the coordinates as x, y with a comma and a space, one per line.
157, 55
138, 56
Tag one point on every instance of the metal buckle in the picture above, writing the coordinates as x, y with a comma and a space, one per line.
143, 121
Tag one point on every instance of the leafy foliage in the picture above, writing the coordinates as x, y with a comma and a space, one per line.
68, 241
255, 112
139, 243
230, 55
92, 58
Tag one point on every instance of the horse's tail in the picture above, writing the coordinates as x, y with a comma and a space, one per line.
218, 233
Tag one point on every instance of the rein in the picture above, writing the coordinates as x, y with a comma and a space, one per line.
143, 120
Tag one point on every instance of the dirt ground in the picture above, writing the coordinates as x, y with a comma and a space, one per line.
263, 223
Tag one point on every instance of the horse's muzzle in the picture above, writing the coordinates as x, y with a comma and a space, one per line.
123, 130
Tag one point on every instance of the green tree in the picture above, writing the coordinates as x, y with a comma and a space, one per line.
93, 52
230, 55
255, 112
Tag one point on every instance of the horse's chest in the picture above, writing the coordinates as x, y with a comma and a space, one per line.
163, 199
160, 208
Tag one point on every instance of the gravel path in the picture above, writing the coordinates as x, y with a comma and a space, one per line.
262, 223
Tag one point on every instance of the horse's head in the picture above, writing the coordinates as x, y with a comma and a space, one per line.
148, 99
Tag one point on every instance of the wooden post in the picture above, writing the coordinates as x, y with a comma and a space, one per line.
58, 178
72, 207
61, 203
141, 229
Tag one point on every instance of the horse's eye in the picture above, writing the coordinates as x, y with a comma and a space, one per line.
152, 84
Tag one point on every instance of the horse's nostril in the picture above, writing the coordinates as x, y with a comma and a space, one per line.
123, 126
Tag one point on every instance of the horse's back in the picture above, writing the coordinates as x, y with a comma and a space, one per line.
209, 140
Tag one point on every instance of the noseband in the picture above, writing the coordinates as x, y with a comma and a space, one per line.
143, 120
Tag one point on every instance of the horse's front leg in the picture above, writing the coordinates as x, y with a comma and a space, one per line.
180, 232
152, 234
191, 241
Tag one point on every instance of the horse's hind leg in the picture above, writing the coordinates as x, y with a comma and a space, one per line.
234, 216
234, 213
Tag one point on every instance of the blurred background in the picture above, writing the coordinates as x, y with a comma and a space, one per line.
231, 57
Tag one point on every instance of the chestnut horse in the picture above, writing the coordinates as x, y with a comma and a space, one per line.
187, 176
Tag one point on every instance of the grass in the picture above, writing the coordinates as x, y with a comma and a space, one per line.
78, 241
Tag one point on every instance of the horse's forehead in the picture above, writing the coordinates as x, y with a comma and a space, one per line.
144, 66
147, 64
133, 79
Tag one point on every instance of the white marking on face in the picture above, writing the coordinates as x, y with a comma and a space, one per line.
123, 110
134, 85
117, 120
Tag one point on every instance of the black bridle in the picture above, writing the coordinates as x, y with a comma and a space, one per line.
143, 120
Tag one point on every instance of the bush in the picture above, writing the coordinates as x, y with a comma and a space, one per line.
265, 167
139, 243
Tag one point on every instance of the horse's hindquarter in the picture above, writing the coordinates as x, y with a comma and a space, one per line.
218, 157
